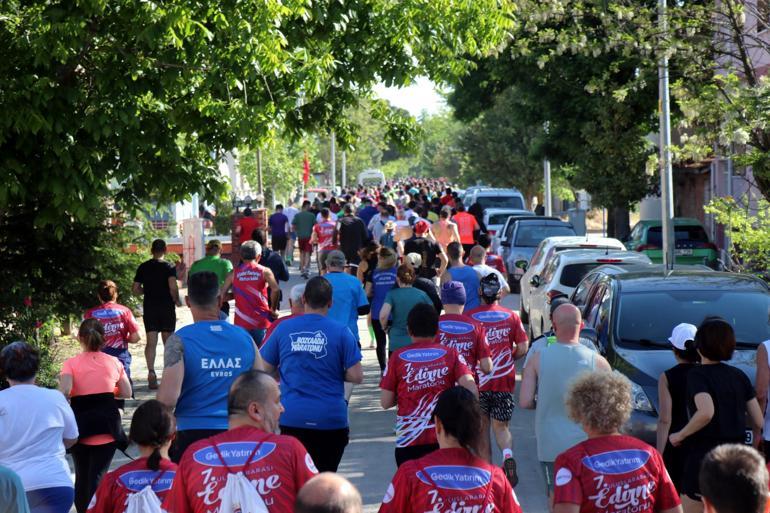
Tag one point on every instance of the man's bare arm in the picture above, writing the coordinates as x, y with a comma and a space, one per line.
173, 371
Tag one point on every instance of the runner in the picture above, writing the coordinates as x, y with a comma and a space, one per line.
451, 478
278, 225
507, 341
296, 308
734, 479
156, 280
458, 271
277, 465
414, 378
496, 261
547, 376
328, 493
466, 225
214, 262
314, 356
302, 224
120, 327
325, 236
250, 282
478, 257
444, 230
152, 430
348, 297
380, 282
609, 471
353, 235
465, 335
290, 212
200, 363
430, 251
246, 224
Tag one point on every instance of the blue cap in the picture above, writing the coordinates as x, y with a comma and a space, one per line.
453, 293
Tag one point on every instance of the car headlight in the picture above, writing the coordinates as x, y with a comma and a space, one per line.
639, 399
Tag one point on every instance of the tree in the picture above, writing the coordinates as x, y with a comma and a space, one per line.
138, 100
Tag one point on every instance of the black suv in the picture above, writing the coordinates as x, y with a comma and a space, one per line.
630, 315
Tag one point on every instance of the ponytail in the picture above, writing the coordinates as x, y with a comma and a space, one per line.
690, 354
152, 426
91, 334
153, 462
460, 414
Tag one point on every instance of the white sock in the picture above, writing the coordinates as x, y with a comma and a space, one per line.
507, 453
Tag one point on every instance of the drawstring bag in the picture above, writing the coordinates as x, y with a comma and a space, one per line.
145, 500
239, 495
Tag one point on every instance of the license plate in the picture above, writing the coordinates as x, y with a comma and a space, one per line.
749, 440
683, 252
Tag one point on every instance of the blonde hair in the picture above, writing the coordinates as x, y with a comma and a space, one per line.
600, 400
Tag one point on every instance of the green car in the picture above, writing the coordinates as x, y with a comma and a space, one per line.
692, 243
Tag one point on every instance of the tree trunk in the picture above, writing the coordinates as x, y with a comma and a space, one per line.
618, 221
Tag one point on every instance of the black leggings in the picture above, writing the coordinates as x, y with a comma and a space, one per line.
325, 446
91, 463
382, 342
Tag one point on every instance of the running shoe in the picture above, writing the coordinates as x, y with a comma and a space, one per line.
152, 381
509, 468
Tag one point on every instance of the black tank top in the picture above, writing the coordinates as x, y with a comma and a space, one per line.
677, 387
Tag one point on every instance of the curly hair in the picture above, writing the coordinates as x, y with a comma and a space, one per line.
600, 401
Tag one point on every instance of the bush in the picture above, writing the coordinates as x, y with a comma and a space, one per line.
749, 231
48, 279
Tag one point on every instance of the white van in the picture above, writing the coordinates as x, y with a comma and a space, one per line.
371, 178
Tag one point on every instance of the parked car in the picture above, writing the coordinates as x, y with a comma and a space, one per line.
545, 252
629, 316
495, 218
489, 197
563, 273
522, 236
692, 243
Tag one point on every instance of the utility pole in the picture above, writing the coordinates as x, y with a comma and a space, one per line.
666, 173
334, 160
344, 169
547, 186
260, 188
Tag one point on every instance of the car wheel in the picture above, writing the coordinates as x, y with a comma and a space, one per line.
524, 316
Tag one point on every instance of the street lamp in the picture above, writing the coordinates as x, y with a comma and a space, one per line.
666, 178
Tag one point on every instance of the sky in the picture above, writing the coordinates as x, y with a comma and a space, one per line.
418, 97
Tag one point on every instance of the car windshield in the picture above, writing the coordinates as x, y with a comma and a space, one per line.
499, 218
649, 317
530, 235
500, 202
692, 233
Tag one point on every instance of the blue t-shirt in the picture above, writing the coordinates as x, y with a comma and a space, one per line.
215, 353
470, 280
278, 222
367, 213
312, 353
347, 295
382, 281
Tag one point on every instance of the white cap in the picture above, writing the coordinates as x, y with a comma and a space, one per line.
681, 334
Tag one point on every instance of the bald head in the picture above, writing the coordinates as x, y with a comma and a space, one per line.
478, 255
328, 493
567, 322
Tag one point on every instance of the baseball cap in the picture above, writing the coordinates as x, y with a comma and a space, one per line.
490, 285
453, 293
681, 334
214, 243
336, 258
415, 259
421, 226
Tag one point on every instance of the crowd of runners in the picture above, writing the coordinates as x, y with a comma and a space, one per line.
252, 415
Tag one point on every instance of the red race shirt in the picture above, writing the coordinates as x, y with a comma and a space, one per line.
118, 323
248, 225
449, 481
417, 374
274, 325
112, 494
496, 261
325, 233
250, 289
278, 470
465, 336
504, 332
613, 474
466, 223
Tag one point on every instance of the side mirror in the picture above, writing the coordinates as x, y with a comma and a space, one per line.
521, 264
536, 281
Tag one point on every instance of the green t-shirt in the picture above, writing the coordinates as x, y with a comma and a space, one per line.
303, 224
401, 302
217, 265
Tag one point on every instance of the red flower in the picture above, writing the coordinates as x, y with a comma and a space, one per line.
27, 301
38, 325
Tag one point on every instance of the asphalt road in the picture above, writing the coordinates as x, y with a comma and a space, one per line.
369, 461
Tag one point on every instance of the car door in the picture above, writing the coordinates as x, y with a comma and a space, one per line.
538, 298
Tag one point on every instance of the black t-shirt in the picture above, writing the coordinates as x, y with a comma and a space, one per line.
352, 236
429, 251
730, 389
677, 387
153, 275
429, 288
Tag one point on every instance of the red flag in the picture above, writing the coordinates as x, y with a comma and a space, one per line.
306, 170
